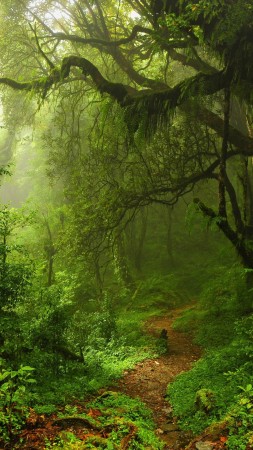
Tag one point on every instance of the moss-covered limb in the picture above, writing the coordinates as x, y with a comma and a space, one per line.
243, 143
234, 237
114, 423
155, 103
196, 63
21, 86
222, 223
68, 354
116, 90
158, 104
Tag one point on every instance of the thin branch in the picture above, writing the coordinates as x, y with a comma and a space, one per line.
78, 39
51, 65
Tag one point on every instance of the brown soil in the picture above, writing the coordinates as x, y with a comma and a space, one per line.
149, 379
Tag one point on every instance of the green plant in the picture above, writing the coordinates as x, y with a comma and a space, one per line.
128, 416
69, 410
205, 400
45, 409
241, 432
13, 400
65, 440
208, 374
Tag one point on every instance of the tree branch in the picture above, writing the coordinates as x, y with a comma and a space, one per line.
156, 104
223, 157
78, 39
51, 65
235, 207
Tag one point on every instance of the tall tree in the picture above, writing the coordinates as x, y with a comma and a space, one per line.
153, 59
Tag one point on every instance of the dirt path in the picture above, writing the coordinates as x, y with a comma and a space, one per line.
149, 379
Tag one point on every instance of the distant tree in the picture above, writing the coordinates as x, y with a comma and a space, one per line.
16, 270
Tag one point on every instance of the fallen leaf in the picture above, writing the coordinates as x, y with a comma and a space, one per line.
94, 413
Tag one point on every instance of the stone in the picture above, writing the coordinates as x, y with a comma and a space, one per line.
204, 446
170, 427
167, 411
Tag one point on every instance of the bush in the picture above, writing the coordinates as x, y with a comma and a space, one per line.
14, 400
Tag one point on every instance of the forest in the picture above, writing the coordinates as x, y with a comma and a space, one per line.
126, 224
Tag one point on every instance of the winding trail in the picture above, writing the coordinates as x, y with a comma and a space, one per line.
149, 379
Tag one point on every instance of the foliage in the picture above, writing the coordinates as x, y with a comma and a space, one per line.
204, 400
224, 297
134, 412
111, 420
14, 400
241, 432
103, 363
15, 266
140, 104
213, 382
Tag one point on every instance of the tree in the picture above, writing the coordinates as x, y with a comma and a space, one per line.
130, 52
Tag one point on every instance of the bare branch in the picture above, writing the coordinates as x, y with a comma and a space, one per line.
51, 65
78, 39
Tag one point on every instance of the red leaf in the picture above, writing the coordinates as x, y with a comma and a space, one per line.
94, 413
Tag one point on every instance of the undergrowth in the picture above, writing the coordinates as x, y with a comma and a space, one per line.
110, 421
109, 340
222, 324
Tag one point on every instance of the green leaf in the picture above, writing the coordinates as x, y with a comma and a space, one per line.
27, 368
4, 375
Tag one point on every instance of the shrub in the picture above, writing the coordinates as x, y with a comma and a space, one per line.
13, 400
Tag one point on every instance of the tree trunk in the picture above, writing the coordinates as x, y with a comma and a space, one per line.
121, 263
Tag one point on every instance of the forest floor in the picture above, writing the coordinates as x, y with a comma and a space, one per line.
150, 378
148, 381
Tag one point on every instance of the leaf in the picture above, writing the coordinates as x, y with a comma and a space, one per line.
4, 375
31, 380
94, 413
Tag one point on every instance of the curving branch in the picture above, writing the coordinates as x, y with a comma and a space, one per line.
78, 39
155, 103
198, 64
234, 237
117, 90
